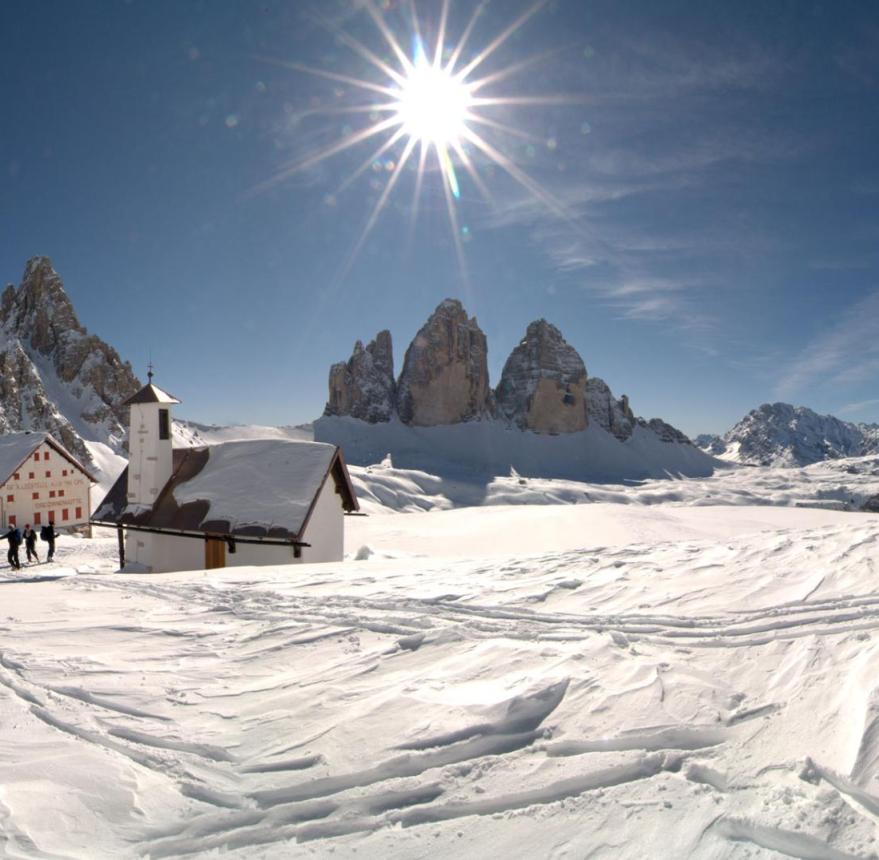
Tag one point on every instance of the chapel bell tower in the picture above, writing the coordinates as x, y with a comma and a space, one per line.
149, 443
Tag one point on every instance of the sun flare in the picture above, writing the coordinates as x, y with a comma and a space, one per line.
425, 111
433, 104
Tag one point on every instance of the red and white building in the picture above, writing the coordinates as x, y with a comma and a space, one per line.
41, 482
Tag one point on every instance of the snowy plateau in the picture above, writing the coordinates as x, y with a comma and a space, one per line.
600, 642
672, 669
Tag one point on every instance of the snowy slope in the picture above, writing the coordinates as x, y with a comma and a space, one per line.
836, 484
706, 692
190, 434
487, 448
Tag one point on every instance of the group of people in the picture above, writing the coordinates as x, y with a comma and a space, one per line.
15, 537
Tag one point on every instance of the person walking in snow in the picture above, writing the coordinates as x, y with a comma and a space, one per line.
30, 542
48, 534
13, 536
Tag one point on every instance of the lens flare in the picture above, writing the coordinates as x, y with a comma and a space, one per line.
424, 104
433, 104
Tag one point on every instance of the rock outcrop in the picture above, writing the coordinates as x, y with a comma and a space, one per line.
665, 431
614, 416
54, 375
445, 373
711, 443
363, 387
543, 384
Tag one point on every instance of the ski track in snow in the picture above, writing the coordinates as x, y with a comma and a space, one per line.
706, 698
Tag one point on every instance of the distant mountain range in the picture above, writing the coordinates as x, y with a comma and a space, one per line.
778, 434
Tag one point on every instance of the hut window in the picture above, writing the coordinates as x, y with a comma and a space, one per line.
164, 424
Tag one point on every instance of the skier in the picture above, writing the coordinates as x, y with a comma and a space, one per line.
30, 542
13, 536
48, 534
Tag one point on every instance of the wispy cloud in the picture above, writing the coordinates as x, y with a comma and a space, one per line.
858, 406
646, 190
846, 354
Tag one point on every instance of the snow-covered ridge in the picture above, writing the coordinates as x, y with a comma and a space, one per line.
779, 434
471, 451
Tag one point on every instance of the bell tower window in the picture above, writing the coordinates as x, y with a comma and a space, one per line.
164, 424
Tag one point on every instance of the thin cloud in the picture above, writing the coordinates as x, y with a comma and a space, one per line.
858, 406
846, 354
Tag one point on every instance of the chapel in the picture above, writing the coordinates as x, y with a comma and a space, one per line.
250, 502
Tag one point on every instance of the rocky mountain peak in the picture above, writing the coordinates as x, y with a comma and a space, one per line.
46, 354
544, 387
779, 434
445, 372
40, 310
543, 383
363, 387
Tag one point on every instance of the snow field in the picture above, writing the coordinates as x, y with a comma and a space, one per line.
708, 690
835, 485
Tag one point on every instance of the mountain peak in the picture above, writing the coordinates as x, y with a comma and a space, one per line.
543, 383
781, 434
46, 354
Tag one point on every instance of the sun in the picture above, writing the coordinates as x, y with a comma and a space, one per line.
434, 104
430, 114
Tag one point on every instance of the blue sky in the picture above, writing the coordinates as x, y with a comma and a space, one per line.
713, 242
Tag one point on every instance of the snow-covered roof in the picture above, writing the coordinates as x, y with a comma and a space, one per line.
257, 487
151, 394
15, 448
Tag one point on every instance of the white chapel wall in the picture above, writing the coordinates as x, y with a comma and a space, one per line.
326, 528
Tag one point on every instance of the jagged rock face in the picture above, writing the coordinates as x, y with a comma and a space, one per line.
445, 373
44, 348
24, 404
710, 443
778, 434
665, 431
604, 409
543, 384
871, 505
363, 387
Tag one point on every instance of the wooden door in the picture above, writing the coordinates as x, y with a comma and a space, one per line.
214, 553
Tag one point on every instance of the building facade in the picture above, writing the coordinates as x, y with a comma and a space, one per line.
41, 483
